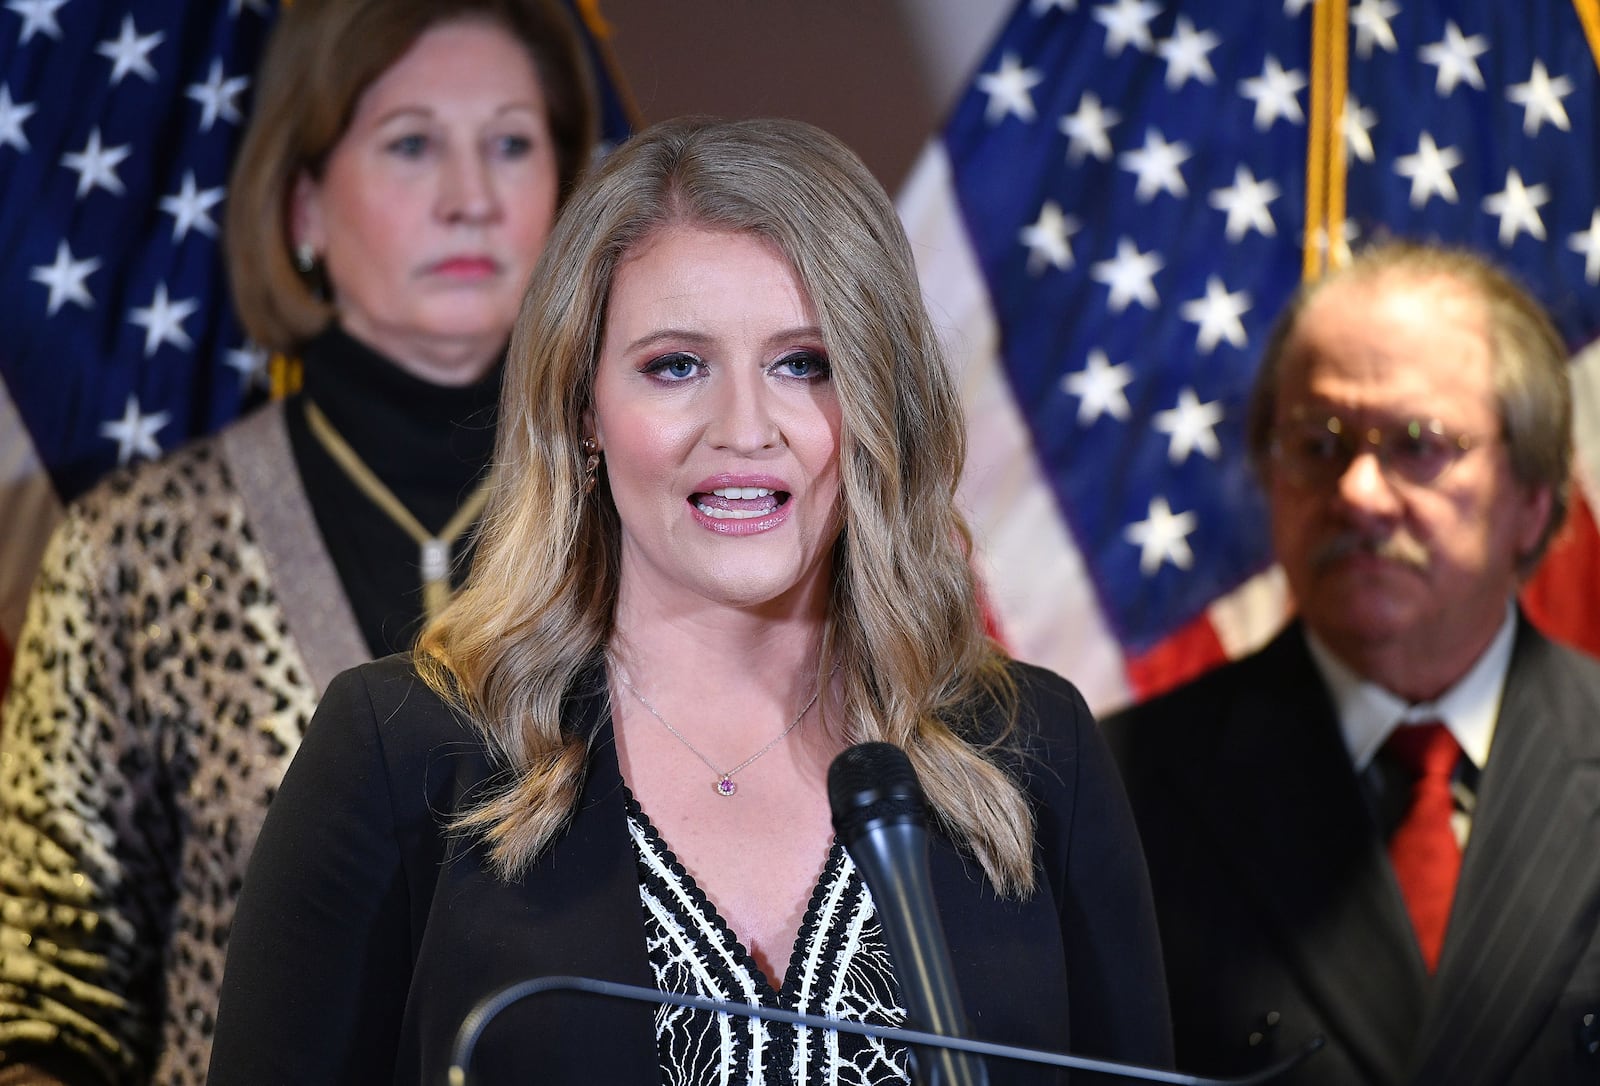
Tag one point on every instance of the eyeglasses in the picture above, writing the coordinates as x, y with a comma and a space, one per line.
1316, 450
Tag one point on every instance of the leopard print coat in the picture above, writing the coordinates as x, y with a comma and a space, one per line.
182, 627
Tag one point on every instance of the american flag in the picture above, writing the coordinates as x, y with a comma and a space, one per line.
1119, 205
118, 124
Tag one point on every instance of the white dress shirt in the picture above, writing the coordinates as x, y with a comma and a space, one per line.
1470, 708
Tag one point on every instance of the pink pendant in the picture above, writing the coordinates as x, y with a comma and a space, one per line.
725, 787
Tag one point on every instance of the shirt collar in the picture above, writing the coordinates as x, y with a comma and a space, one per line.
1368, 713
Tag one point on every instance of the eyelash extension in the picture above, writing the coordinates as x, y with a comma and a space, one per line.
822, 368
658, 364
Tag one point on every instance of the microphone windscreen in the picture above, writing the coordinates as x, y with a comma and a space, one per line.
870, 784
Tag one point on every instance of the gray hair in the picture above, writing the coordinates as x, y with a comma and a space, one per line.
1532, 387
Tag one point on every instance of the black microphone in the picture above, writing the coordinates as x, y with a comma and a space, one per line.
880, 817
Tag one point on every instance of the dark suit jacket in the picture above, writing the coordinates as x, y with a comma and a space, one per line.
364, 934
1280, 915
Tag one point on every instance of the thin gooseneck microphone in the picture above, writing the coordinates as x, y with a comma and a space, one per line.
487, 1009
880, 816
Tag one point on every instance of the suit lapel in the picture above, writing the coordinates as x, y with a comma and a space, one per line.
1530, 881
1293, 823
585, 894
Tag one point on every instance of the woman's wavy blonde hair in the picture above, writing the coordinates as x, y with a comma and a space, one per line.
903, 619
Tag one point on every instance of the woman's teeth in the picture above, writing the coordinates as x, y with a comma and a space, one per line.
764, 499
732, 514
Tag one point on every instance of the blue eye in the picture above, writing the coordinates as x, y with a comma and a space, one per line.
677, 366
408, 146
804, 366
513, 146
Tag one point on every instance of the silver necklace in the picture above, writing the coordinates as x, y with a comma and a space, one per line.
723, 785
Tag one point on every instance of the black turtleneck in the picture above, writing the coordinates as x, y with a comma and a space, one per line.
429, 443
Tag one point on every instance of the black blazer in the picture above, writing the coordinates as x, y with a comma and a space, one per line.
365, 934
1280, 915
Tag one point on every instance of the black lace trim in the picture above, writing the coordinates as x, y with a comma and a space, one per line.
838, 965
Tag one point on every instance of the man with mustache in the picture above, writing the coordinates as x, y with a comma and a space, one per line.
1384, 827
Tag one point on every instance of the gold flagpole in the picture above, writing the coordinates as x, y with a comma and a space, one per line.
1589, 16
1325, 146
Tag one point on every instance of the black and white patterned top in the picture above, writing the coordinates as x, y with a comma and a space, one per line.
840, 968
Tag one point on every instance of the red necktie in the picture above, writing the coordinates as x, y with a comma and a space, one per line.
1423, 849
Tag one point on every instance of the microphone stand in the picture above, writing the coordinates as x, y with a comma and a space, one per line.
473, 1025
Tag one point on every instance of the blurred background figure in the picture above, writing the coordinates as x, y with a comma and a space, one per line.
722, 547
118, 128
1384, 827
1121, 202
402, 168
